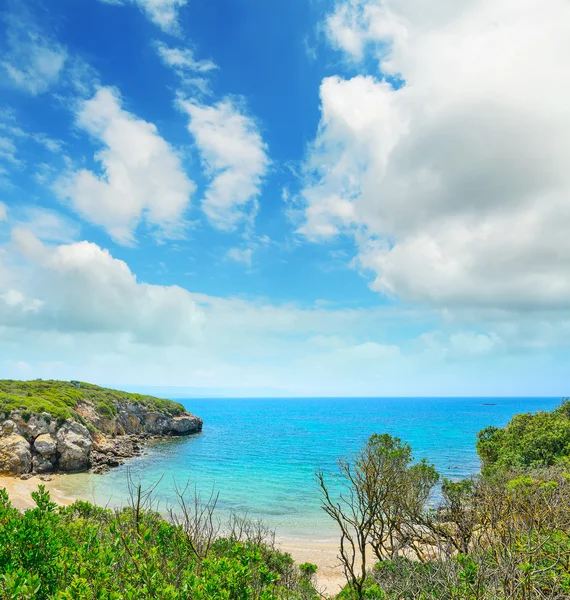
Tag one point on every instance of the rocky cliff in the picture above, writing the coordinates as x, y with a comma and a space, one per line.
48, 426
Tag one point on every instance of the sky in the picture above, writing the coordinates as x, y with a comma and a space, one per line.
301, 198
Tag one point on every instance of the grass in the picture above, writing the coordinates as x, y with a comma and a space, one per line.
60, 398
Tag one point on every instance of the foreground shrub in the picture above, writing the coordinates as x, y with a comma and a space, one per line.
84, 552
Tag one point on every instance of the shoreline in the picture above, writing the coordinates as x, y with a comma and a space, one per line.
330, 578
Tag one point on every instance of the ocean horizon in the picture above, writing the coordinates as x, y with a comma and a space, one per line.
260, 454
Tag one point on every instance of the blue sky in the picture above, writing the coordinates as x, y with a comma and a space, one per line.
301, 198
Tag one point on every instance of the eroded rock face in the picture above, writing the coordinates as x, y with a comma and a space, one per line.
184, 425
29, 428
136, 419
38, 443
39, 425
15, 455
74, 446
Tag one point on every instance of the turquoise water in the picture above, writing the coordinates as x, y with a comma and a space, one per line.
261, 454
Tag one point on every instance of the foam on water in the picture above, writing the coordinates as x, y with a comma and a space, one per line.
261, 454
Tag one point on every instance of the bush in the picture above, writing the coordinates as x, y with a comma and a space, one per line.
84, 552
529, 441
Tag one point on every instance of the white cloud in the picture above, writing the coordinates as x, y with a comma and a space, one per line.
45, 224
54, 146
462, 344
142, 176
14, 299
234, 156
72, 310
455, 186
192, 73
163, 13
183, 59
241, 255
31, 60
3, 212
80, 288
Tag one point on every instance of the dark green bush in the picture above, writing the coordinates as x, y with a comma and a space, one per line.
529, 441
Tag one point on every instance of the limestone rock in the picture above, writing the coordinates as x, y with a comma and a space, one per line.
184, 425
8, 427
46, 445
39, 425
74, 446
40, 443
15, 455
42, 465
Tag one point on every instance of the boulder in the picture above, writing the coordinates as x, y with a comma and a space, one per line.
39, 425
46, 445
15, 455
42, 465
74, 446
184, 425
8, 427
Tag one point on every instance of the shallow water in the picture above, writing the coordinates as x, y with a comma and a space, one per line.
261, 454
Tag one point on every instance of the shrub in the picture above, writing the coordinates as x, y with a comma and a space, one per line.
529, 441
85, 552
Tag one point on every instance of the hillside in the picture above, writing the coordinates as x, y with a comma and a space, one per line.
50, 426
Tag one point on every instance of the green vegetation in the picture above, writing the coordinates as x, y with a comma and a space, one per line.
60, 399
503, 535
530, 440
83, 552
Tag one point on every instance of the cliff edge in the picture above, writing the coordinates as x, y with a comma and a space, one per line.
49, 426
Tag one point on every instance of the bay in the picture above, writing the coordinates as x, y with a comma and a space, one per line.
260, 455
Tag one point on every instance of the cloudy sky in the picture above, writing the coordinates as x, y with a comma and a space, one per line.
311, 197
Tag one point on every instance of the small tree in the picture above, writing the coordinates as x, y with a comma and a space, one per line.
381, 492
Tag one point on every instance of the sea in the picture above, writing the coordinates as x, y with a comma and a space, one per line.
259, 456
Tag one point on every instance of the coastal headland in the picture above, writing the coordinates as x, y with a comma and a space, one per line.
66, 427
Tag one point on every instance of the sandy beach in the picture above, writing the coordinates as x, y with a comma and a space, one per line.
330, 578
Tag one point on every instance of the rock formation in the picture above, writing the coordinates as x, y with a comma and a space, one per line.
40, 443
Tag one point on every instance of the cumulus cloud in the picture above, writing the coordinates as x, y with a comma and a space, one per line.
73, 310
163, 13
32, 60
234, 156
81, 288
3, 212
450, 167
142, 177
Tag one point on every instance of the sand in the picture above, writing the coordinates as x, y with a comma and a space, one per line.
20, 491
330, 578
